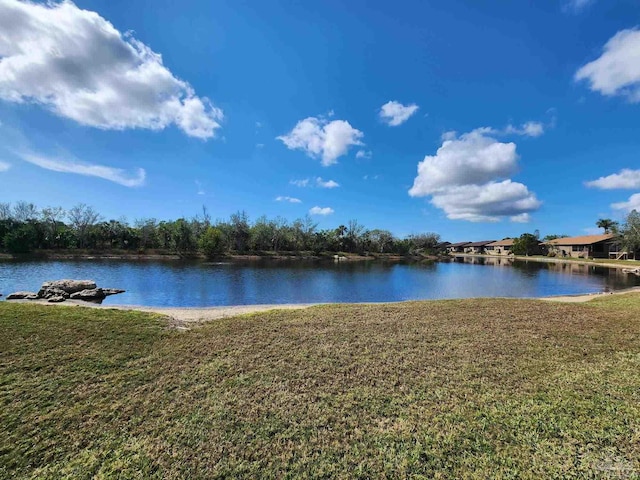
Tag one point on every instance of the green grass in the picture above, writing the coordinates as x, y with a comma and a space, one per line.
628, 263
450, 389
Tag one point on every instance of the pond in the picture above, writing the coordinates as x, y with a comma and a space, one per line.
200, 284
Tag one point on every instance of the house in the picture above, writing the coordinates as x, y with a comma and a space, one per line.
477, 248
500, 248
457, 247
586, 246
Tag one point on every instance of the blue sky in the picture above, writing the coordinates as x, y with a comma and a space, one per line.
475, 120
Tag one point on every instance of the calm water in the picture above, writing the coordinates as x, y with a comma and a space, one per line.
194, 284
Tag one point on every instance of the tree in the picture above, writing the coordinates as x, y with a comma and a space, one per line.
5, 211
82, 217
23, 239
182, 239
381, 240
630, 232
24, 211
212, 242
607, 224
240, 231
52, 219
548, 238
526, 244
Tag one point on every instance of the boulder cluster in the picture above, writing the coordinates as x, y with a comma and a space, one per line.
61, 290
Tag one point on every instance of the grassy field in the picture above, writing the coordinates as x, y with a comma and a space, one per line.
485, 388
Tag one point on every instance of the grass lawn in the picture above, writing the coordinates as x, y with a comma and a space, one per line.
487, 388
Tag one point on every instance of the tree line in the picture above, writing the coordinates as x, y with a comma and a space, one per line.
25, 228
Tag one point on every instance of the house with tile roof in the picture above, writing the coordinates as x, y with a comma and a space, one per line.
477, 248
586, 246
500, 248
457, 247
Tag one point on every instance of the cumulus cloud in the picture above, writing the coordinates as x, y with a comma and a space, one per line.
321, 211
617, 70
626, 178
632, 204
78, 65
394, 113
366, 154
116, 175
288, 199
326, 184
322, 139
468, 179
4, 166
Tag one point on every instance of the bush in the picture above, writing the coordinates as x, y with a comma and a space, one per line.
21, 240
212, 242
551, 254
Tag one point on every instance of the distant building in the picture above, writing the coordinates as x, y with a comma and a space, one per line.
477, 248
500, 248
457, 247
587, 246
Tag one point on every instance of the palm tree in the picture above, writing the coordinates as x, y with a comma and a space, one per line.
607, 224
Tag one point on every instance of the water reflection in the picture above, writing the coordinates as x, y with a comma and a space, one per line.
297, 281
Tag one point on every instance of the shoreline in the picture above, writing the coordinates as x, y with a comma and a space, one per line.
180, 317
540, 259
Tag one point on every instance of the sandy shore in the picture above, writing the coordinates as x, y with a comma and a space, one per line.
182, 316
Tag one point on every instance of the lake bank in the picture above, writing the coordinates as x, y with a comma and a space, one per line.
446, 389
182, 317
254, 256
619, 264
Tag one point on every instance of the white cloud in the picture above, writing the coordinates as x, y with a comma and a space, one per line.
4, 166
632, 204
321, 211
116, 175
626, 178
200, 188
366, 154
79, 66
467, 179
394, 113
300, 183
528, 129
521, 218
576, 6
322, 139
486, 203
471, 158
288, 199
617, 70
326, 184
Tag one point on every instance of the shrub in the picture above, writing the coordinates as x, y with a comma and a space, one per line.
212, 242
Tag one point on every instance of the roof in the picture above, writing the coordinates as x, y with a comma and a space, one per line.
479, 244
459, 244
583, 240
507, 242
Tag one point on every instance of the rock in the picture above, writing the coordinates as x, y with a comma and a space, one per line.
53, 292
90, 294
69, 286
56, 299
22, 296
112, 291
